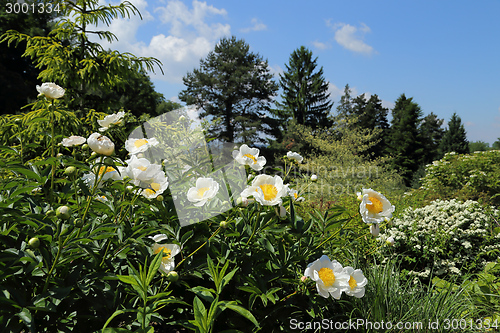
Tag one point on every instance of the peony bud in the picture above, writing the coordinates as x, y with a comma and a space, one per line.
34, 242
390, 241
314, 178
172, 276
375, 229
63, 212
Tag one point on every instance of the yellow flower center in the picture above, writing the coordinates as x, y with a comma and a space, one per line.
202, 191
153, 188
166, 252
375, 207
270, 191
352, 283
251, 157
142, 168
295, 195
140, 143
105, 170
326, 275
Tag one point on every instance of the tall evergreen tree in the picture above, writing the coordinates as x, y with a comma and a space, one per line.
432, 134
236, 86
405, 140
305, 95
344, 109
455, 137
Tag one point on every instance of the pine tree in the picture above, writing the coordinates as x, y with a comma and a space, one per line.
236, 86
455, 137
404, 139
305, 95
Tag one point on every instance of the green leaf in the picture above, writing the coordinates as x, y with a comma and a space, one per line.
127, 279
153, 267
240, 310
30, 174
116, 313
200, 315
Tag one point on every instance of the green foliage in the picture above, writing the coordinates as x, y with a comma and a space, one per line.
390, 298
465, 176
478, 146
455, 137
18, 76
484, 291
67, 56
340, 164
235, 87
305, 92
371, 115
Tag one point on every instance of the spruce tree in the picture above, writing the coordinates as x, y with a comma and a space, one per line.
455, 137
235, 86
432, 134
404, 139
305, 95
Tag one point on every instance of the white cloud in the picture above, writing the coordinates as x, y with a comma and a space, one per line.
320, 45
192, 33
334, 91
257, 25
469, 124
351, 37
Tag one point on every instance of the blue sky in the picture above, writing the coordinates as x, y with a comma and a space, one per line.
444, 54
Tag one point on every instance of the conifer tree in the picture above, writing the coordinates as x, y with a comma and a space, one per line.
235, 86
455, 137
404, 140
432, 134
305, 95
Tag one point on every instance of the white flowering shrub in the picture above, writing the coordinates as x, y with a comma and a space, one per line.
465, 176
445, 237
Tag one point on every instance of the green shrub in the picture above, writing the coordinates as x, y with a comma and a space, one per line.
445, 237
465, 176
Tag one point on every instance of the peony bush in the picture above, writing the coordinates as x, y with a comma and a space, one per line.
97, 237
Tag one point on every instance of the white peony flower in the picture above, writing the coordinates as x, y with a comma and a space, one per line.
104, 173
140, 169
50, 90
249, 156
136, 146
112, 119
205, 189
156, 186
73, 140
169, 251
101, 144
357, 282
294, 156
330, 277
267, 190
374, 207
295, 195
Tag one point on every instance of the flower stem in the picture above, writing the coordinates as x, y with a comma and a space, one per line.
202, 245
